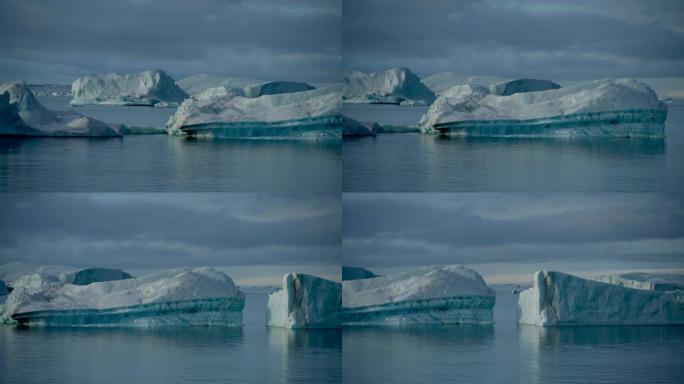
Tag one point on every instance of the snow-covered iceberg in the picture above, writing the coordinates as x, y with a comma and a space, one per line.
305, 301
613, 108
394, 86
200, 82
356, 273
95, 275
560, 299
146, 88
648, 281
443, 81
449, 294
224, 113
186, 296
21, 114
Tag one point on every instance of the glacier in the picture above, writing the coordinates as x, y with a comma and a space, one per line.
648, 281
558, 299
608, 108
451, 294
21, 114
144, 89
394, 86
225, 113
184, 296
305, 301
356, 273
94, 275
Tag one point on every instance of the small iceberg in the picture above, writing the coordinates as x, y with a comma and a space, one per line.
200, 82
394, 86
305, 301
147, 88
356, 273
648, 281
449, 294
608, 108
185, 296
560, 299
95, 275
21, 114
225, 113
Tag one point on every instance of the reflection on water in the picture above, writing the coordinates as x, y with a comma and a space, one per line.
164, 163
297, 346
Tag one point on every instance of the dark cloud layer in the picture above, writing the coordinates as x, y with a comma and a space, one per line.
61, 40
392, 230
169, 230
559, 39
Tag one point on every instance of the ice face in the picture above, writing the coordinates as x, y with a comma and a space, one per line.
146, 88
648, 281
615, 108
305, 301
449, 294
186, 296
95, 275
356, 273
394, 86
23, 114
560, 299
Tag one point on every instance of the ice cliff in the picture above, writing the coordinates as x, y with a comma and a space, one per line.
449, 294
305, 301
146, 88
649, 281
22, 114
614, 108
394, 86
356, 273
560, 299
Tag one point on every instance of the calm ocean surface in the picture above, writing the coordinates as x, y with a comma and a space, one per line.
163, 163
424, 163
253, 353
508, 353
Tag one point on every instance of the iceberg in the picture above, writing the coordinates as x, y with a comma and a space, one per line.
13, 271
305, 301
512, 87
443, 81
21, 114
275, 88
95, 275
226, 113
557, 299
356, 273
609, 108
200, 82
185, 296
449, 294
145, 89
648, 281
394, 86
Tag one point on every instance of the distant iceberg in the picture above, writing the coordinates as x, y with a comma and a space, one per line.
186, 296
305, 301
394, 86
449, 294
443, 81
560, 299
145, 89
507, 88
648, 281
356, 273
200, 82
610, 108
226, 113
95, 275
21, 114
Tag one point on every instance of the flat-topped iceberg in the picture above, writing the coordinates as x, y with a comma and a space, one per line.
443, 81
507, 88
560, 299
649, 281
449, 294
200, 82
95, 275
22, 114
225, 113
275, 88
612, 108
185, 296
146, 89
394, 86
356, 273
305, 301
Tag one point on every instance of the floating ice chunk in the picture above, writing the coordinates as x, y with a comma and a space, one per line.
615, 108
394, 86
226, 113
649, 281
95, 275
449, 294
146, 88
560, 299
356, 273
22, 114
186, 296
305, 302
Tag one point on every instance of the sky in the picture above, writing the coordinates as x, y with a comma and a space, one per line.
507, 237
554, 39
255, 238
58, 41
